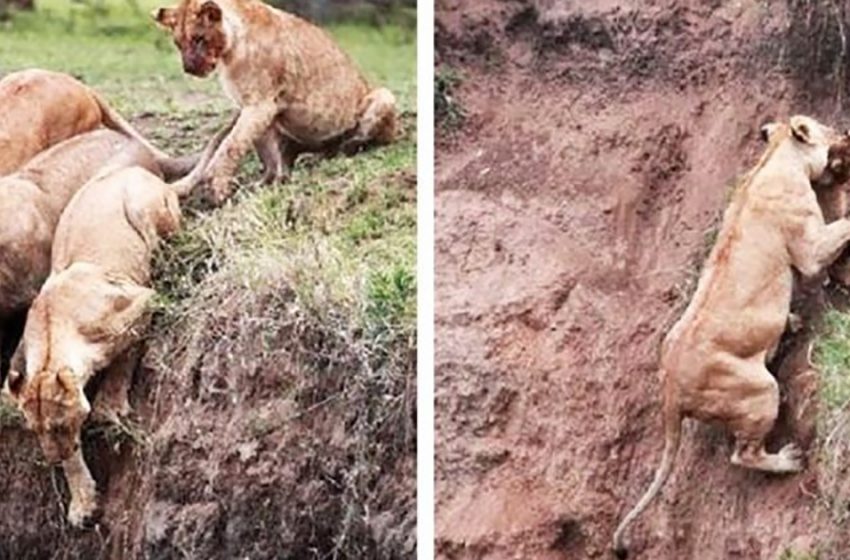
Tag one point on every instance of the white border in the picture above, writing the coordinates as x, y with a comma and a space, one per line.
425, 283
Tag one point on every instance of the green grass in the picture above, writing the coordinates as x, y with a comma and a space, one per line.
119, 50
9, 414
791, 554
447, 110
832, 355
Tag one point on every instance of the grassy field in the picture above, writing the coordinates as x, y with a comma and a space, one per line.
120, 50
347, 225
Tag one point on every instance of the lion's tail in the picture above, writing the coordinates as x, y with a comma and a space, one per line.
672, 437
172, 168
112, 119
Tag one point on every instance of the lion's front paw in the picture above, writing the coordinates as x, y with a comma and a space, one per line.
791, 458
218, 192
83, 510
275, 177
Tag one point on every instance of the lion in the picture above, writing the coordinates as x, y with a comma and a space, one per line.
89, 314
42, 108
32, 202
831, 193
713, 360
296, 89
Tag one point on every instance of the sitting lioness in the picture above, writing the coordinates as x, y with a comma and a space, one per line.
39, 108
89, 314
297, 90
712, 363
32, 201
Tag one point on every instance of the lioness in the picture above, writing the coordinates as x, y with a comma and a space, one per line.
831, 193
89, 313
39, 108
297, 90
32, 201
712, 363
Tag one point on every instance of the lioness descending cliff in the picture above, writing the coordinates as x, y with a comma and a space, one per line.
90, 313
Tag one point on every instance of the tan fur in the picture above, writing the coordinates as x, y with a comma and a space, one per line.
39, 109
297, 90
89, 314
713, 359
831, 191
32, 201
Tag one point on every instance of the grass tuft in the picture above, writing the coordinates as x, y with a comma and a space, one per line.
10, 416
831, 354
448, 111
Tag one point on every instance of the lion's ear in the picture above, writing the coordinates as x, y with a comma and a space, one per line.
767, 130
210, 13
71, 385
801, 130
166, 17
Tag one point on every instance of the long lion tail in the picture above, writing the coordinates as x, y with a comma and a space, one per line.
672, 437
112, 119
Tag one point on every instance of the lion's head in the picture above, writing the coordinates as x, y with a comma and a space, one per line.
197, 27
825, 152
55, 407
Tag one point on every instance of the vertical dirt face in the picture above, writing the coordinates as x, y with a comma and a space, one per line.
245, 446
574, 206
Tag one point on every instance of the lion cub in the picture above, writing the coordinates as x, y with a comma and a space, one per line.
712, 363
297, 90
39, 109
89, 314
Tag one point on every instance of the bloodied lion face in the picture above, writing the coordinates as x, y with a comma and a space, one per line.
197, 27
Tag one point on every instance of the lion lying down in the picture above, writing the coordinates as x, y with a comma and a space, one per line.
32, 201
42, 108
713, 359
89, 314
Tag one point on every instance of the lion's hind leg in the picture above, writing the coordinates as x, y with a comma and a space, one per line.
378, 123
112, 402
753, 397
269, 149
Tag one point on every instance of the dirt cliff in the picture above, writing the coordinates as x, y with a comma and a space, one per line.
585, 152
273, 417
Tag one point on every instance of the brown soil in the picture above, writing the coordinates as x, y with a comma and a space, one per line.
574, 205
258, 435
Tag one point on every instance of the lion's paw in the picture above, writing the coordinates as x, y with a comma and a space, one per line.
791, 457
83, 512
